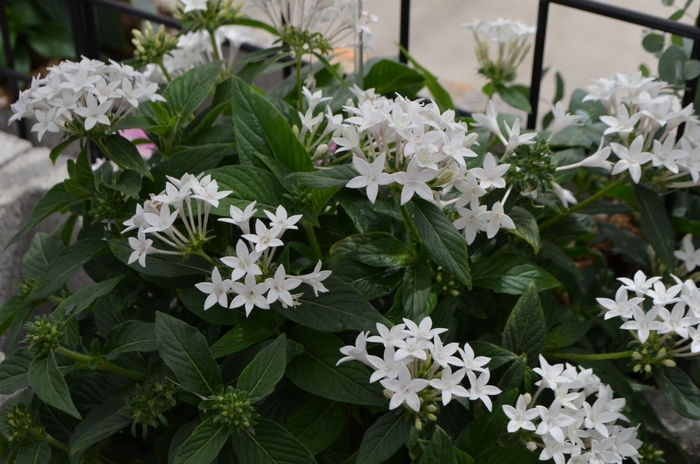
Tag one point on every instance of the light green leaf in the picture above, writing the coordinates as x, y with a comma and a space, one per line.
514, 98
47, 382
126, 155
247, 333
130, 336
506, 274
203, 445
384, 438
184, 349
270, 444
385, 252
525, 329
262, 374
446, 245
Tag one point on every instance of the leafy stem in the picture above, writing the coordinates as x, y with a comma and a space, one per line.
165, 71
54, 299
410, 224
590, 357
313, 241
599, 194
55, 443
103, 365
300, 94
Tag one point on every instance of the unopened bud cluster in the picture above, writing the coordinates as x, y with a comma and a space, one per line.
44, 335
151, 46
532, 169
207, 15
23, 428
646, 358
147, 404
234, 409
446, 284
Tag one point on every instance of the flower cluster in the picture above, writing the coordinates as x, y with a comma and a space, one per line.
644, 116
581, 421
654, 329
253, 263
79, 97
188, 199
416, 368
510, 38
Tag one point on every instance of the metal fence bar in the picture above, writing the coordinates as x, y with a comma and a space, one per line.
125, 8
10, 63
405, 25
538, 62
84, 25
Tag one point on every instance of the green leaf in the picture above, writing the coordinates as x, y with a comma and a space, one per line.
186, 92
160, 265
203, 445
42, 252
68, 261
270, 444
386, 252
514, 98
656, 225
439, 449
680, 391
525, 329
482, 433
318, 424
130, 336
462, 457
184, 349
55, 200
503, 455
384, 438
260, 376
102, 422
82, 180
446, 245
653, 43
388, 77
559, 93
671, 65
61, 147
47, 382
14, 371
80, 300
193, 300
325, 178
247, 333
514, 375
126, 155
341, 308
499, 356
250, 184
691, 69
36, 453
525, 227
261, 128
506, 274
415, 292
568, 333
315, 371
440, 95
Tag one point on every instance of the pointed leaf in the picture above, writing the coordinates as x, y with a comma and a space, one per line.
36, 453
43, 250
14, 371
203, 445
439, 449
525, 329
47, 382
102, 422
270, 444
126, 155
80, 300
507, 274
130, 336
318, 424
247, 333
186, 92
525, 227
384, 438
415, 292
656, 225
680, 391
325, 178
260, 376
482, 433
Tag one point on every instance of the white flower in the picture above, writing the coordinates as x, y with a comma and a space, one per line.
241, 218
561, 120
210, 193
141, 247
443, 354
496, 219
216, 289
387, 336
315, 278
264, 238
244, 262
688, 254
491, 175
160, 222
424, 330
514, 137
471, 221
551, 375
280, 219
489, 121
621, 307
387, 367
644, 323
694, 336
371, 176
622, 124
450, 384
564, 195
631, 159
665, 155
280, 286
640, 285
471, 362
412, 348
249, 294
356, 352
480, 390
45, 122
520, 417
405, 389
414, 181
676, 320
662, 295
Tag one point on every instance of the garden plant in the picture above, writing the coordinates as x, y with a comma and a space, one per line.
344, 270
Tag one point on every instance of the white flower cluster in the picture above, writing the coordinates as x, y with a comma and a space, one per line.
76, 97
423, 151
311, 122
501, 30
191, 199
252, 263
575, 423
639, 109
683, 319
336, 20
415, 368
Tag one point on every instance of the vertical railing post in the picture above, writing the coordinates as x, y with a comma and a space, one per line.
86, 36
692, 85
538, 62
405, 30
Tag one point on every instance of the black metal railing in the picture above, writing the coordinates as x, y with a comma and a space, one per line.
85, 28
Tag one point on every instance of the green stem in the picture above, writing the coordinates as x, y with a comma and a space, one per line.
217, 56
206, 256
601, 193
300, 94
104, 364
165, 72
410, 224
313, 241
589, 357
55, 443
54, 299
340, 159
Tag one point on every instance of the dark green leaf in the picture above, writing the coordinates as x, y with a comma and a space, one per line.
68, 261
102, 422
55, 200
80, 300
318, 424
61, 147
656, 225
341, 308
525, 329
260, 376
14, 371
315, 371
193, 300
415, 292
439, 449
126, 155
203, 445
389, 77
499, 356
160, 265
47, 382
43, 251
384, 438
653, 43
568, 333
250, 184
130, 336
184, 349
680, 391
82, 180
247, 333
482, 433
514, 98
446, 245
462, 457
36, 453
386, 252
186, 92
270, 444
559, 94
506, 274
325, 178
513, 376
525, 227
503, 455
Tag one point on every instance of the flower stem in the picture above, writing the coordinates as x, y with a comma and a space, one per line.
55, 443
217, 56
410, 224
165, 72
300, 94
313, 241
601, 193
104, 364
590, 357
54, 299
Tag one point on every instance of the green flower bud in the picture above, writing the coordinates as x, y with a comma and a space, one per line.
44, 335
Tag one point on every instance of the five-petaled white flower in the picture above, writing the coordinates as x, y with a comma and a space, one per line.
371, 176
217, 290
414, 180
491, 175
405, 389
